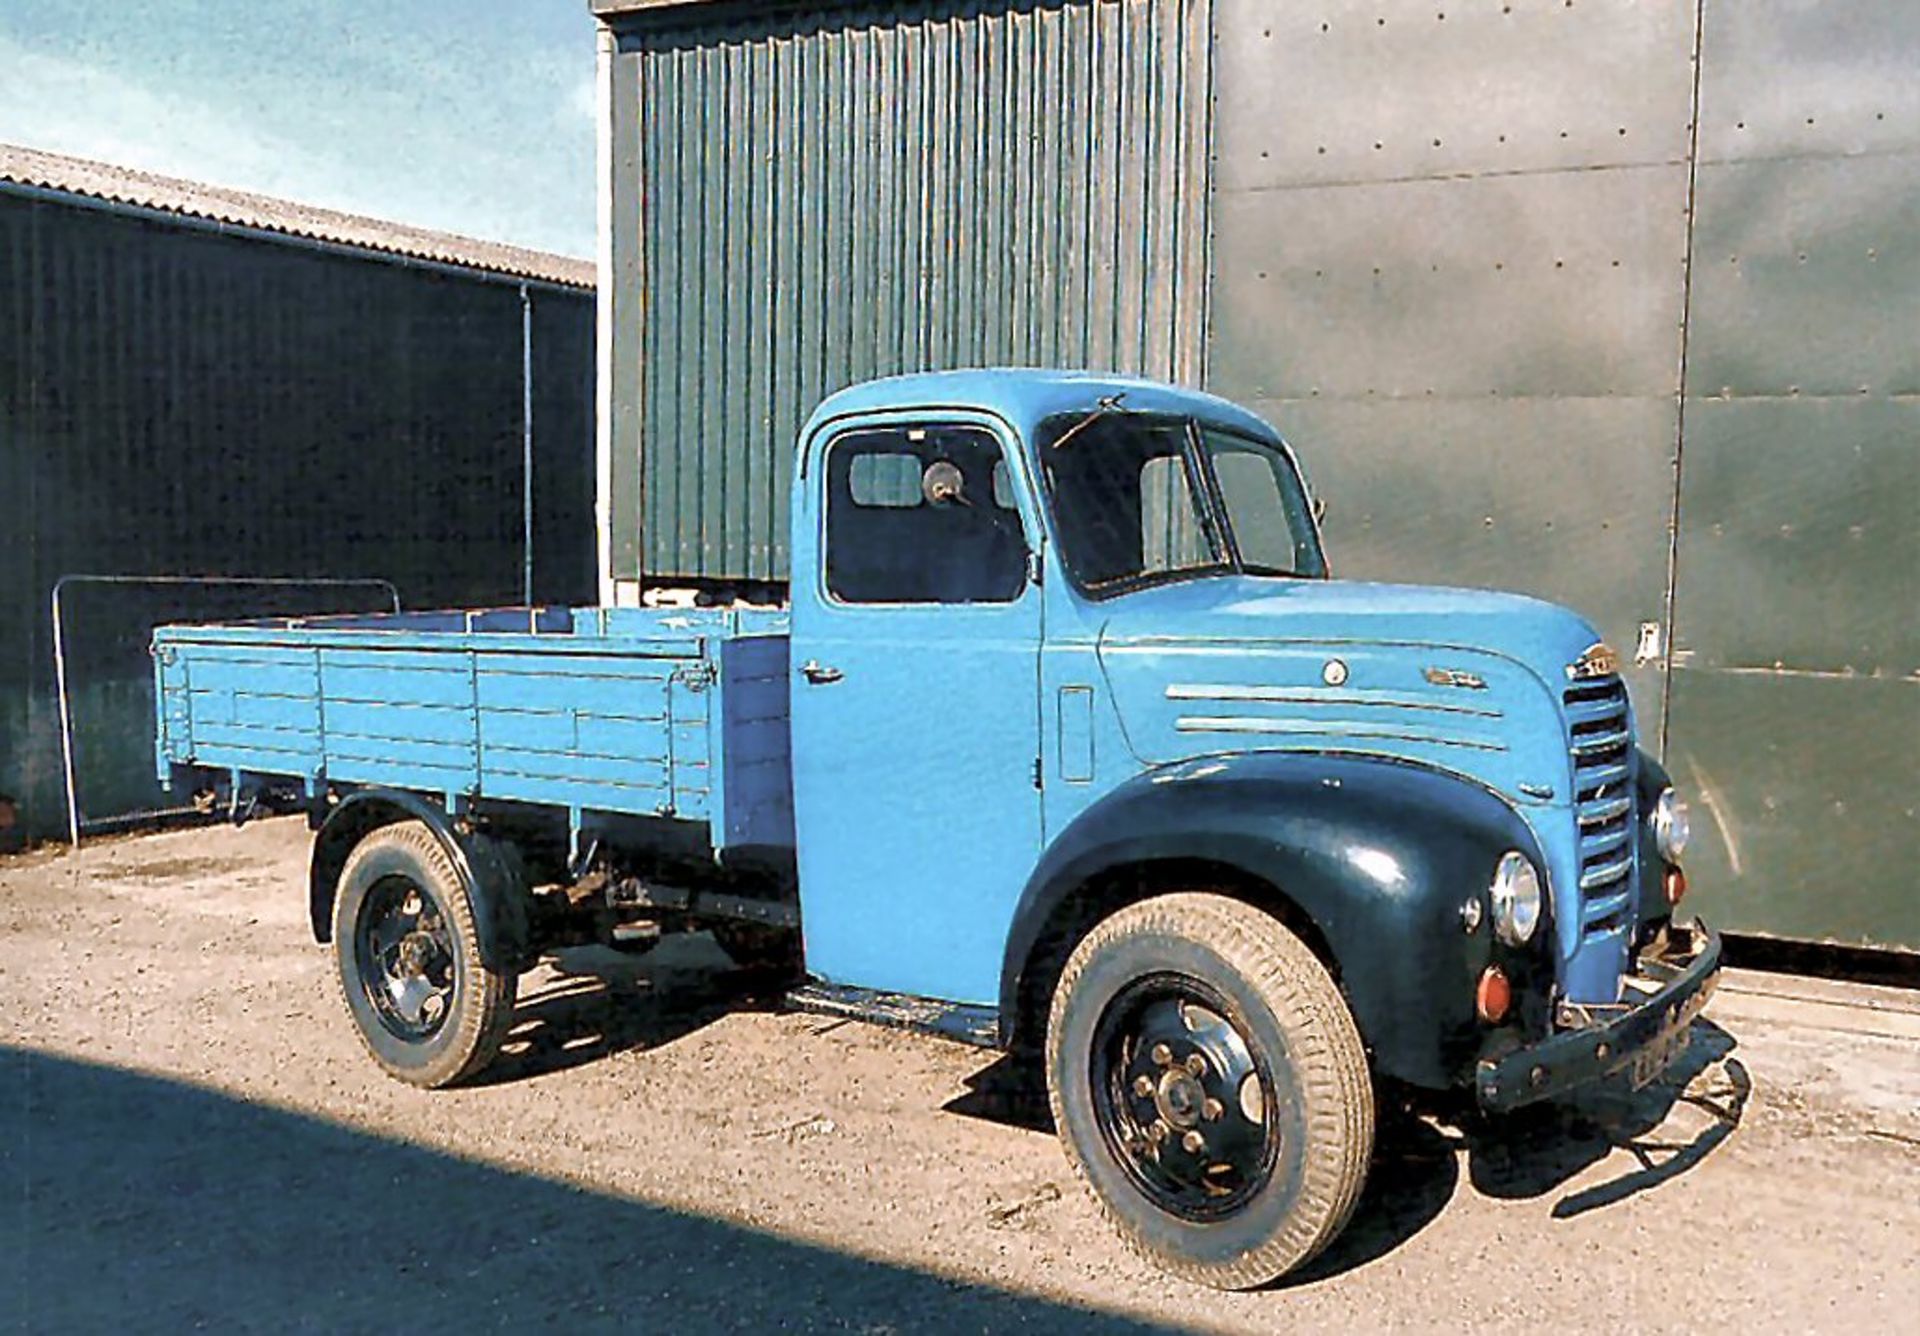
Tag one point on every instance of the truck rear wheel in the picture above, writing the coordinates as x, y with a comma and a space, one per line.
407, 961
1210, 1087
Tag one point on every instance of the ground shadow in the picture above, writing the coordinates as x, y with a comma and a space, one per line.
1414, 1172
132, 1202
1420, 1142
1010, 1091
604, 1002
1538, 1150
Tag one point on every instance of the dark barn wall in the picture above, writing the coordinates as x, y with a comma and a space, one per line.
1547, 302
175, 400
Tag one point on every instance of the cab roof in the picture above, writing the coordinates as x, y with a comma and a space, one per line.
1024, 397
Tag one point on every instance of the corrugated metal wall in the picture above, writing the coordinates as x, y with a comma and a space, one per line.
826, 198
177, 401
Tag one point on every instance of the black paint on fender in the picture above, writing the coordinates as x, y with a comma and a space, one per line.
493, 887
1377, 855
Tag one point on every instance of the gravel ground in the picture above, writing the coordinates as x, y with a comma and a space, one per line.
191, 1135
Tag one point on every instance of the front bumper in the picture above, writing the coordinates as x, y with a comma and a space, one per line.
1642, 1034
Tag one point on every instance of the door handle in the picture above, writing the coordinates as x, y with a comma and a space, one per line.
819, 673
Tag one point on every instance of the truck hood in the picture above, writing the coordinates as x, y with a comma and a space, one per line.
1456, 680
1464, 679
1257, 610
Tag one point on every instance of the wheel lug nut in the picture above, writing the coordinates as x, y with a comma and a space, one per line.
1196, 1065
1194, 1143
1143, 1086
1162, 1056
1212, 1110
1159, 1131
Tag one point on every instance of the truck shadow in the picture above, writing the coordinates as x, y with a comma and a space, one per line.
142, 1203
1415, 1167
1666, 1129
1422, 1143
589, 1003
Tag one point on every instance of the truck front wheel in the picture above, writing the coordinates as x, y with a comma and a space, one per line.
407, 960
1210, 1087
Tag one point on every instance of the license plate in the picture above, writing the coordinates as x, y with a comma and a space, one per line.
1656, 1057
1665, 1048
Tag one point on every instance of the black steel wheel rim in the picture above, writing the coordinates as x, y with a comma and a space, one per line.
404, 955
1184, 1099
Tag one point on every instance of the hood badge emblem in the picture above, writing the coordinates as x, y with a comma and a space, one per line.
1598, 660
1456, 677
1334, 674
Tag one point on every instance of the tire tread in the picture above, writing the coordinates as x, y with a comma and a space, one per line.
483, 1023
1336, 1081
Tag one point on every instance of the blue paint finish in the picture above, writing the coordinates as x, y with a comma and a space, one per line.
595, 711
924, 759
752, 760
1075, 706
1234, 664
916, 808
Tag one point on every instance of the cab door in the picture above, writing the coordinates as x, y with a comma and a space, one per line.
916, 650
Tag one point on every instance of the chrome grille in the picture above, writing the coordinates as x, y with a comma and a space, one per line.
1601, 741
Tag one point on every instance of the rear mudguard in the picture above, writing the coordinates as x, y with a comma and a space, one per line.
1376, 856
486, 871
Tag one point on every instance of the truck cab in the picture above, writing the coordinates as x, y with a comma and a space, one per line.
1067, 742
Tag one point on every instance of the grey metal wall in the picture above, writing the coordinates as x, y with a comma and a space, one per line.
1469, 259
818, 198
1796, 682
178, 401
1449, 262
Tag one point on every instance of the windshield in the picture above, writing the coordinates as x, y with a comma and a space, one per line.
1143, 498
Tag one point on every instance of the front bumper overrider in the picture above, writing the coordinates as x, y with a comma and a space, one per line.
1641, 1035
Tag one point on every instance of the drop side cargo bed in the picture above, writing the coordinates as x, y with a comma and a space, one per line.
670, 713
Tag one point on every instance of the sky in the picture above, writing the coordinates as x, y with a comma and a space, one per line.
476, 117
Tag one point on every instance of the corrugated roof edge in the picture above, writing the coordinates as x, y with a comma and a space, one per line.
613, 9
607, 9
36, 169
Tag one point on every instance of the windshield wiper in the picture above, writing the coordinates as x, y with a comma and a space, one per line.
1137, 580
1108, 404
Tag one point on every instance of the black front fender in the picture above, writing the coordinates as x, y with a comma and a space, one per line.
1378, 856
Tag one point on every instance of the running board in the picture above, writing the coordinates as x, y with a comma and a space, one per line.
951, 1020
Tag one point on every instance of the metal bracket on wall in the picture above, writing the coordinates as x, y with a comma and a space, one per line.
157, 582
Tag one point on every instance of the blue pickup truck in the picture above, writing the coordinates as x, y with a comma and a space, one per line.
1067, 743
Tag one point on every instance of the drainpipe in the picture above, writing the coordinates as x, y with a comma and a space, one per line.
526, 444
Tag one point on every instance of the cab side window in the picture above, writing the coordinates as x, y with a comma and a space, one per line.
921, 515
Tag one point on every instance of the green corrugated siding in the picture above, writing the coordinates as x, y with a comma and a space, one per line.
821, 200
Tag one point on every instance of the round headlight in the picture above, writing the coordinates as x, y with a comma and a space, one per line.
1515, 894
1671, 828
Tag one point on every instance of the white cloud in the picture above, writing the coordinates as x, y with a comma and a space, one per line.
60, 105
585, 101
388, 153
